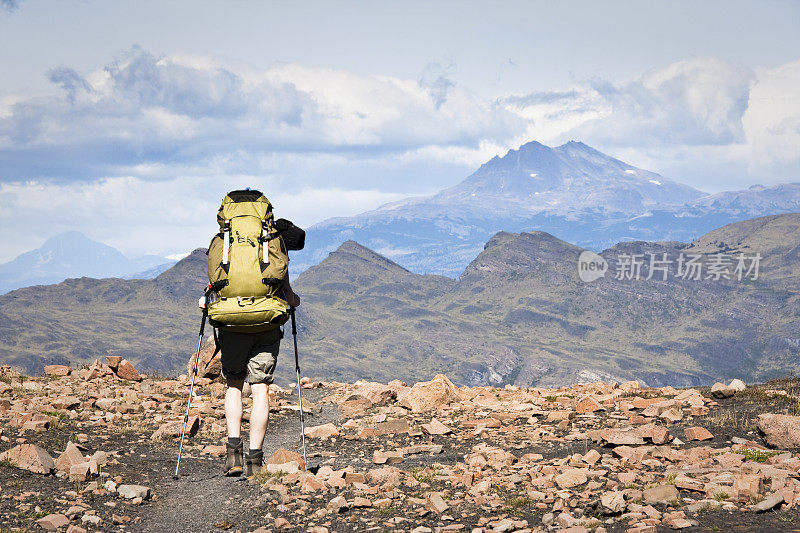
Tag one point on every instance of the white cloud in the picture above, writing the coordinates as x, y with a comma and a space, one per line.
772, 120
147, 111
138, 154
164, 218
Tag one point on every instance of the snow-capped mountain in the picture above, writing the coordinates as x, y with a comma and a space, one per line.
71, 255
572, 191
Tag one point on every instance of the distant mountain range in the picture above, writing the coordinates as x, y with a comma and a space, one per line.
519, 313
71, 255
572, 191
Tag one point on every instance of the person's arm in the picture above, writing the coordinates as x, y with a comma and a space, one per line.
291, 298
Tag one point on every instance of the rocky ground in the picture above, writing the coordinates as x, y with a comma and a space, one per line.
94, 450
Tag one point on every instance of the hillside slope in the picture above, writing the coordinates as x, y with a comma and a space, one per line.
518, 314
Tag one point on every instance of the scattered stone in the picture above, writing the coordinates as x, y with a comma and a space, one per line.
324, 431
429, 395
661, 494
720, 390
588, 405
737, 385
29, 457
770, 502
434, 427
113, 361
780, 431
53, 521
129, 492
697, 433
57, 371
174, 428
125, 370
614, 501
70, 456
284, 456
435, 503
571, 478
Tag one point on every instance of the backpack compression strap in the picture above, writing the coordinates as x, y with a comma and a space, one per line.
264, 241
226, 236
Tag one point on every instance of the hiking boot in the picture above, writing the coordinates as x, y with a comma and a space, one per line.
233, 463
252, 462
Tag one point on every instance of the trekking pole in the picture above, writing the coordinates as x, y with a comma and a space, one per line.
191, 386
299, 394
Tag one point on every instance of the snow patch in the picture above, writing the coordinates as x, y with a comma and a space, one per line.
533, 174
656, 182
630, 171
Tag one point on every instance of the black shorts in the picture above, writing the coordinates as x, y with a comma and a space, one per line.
250, 356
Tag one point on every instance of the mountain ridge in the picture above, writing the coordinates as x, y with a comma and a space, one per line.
572, 191
517, 314
72, 254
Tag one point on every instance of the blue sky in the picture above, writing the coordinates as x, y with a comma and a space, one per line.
130, 120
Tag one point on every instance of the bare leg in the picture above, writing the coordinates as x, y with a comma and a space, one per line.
259, 416
233, 407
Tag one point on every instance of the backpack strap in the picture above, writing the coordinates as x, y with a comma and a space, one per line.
226, 244
264, 241
217, 344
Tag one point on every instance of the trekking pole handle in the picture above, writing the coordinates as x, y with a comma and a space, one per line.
294, 323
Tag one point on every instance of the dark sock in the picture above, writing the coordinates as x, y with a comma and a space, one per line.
234, 441
254, 452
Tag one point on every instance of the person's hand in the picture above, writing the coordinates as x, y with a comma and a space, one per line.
293, 299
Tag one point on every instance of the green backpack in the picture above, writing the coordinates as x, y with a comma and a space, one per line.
247, 263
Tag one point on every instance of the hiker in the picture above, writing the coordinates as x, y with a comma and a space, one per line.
251, 357
248, 301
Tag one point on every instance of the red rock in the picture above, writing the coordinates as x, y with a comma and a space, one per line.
377, 393
53, 521
780, 431
617, 437
337, 505
481, 422
173, 429
697, 433
360, 501
29, 457
434, 502
660, 494
310, 483
747, 486
658, 435
81, 471
571, 478
282, 523
380, 457
209, 364
354, 477
217, 450
57, 370
70, 456
430, 395
113, 361
125, 370
385, 474
588, 405
66, 402
282, 455
324, 431
75, 529
720, 390
434, 427
354, 406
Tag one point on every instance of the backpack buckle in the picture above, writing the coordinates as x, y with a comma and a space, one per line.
240, 299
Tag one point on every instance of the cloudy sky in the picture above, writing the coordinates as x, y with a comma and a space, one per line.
130, 120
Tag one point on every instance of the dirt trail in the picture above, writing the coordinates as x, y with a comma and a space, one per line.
203, 499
